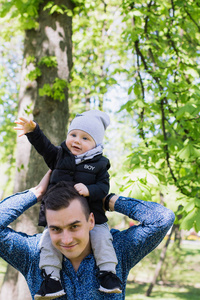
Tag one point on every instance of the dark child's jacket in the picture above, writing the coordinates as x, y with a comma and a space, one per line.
92, 172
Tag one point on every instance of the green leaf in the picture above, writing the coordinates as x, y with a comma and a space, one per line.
48, 5
188, 110
136, 13
56, 91
188, 152
193, 72
57, 9
45, 90
197, 202
140, 173
29, 60
197, 225
34, 74
49, 61
190, 220
190, 205
130, 89
139, 191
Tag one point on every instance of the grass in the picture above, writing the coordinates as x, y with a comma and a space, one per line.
178, 281
137, 291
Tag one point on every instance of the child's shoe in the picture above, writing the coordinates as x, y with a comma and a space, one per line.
50, 288
109, 282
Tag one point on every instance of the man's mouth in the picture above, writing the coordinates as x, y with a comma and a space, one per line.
68, 247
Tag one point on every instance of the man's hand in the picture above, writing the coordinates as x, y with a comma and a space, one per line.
25, 125
82, 189
41, 188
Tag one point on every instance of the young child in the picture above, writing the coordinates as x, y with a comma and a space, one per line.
78, 159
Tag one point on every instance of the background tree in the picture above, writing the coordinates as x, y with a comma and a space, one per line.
94, 40
164, 94
164, 102
147, 51
10, 63
43, 95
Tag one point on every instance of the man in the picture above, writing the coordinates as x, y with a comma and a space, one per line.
69, 227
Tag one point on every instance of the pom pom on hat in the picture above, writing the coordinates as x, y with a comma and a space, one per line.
94, 122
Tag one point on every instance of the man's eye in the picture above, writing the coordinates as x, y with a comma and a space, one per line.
56, 230
74, 227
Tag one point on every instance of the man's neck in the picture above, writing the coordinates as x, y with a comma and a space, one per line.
77, 261
76, 265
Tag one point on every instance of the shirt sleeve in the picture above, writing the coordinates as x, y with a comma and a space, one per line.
43, 146
136, 242
15, 246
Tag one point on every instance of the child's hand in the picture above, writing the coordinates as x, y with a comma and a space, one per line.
25, 125
82, 189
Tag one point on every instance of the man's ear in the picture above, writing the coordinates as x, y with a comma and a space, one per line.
91, 220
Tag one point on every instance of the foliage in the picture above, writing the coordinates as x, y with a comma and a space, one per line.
61, 9
49, 61
56, 90
34, 74
17, 16
10, 57
161, 40
25, 12
94, 40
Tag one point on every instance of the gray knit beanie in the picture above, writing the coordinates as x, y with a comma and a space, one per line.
94, 122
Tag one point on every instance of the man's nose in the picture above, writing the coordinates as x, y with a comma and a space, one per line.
67, 238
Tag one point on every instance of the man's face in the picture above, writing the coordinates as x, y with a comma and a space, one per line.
69, 231
79, 142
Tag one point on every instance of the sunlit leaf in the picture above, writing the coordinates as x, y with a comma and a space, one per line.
189, 221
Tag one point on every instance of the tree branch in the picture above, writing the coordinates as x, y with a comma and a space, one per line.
159, 265
141, 130
165, 139
191, 18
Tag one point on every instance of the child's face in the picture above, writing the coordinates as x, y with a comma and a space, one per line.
79, 142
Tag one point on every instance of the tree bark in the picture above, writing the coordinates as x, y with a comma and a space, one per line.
177, 235
53, 37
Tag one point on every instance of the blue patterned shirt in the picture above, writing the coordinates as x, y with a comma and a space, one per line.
131, 245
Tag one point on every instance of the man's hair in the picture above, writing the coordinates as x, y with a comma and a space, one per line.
61, 195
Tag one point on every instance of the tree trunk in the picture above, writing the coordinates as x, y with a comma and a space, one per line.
177, 236
159, 265
53, 37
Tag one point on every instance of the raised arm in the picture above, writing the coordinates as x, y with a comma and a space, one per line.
154, 222
17, 247
25, 126
38, 139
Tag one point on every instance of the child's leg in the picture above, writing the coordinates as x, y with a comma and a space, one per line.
106, 259
50, 264
104, 253
50, 257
